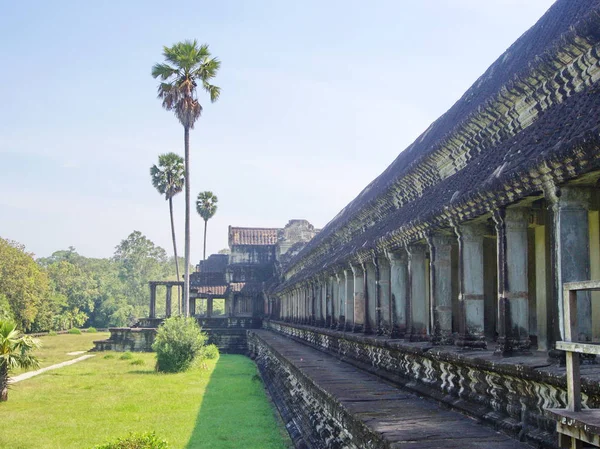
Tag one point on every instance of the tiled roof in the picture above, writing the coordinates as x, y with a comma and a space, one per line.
252, 236
246, 287
213, 290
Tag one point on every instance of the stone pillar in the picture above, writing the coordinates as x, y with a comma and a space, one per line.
370, 296
341, 282
359, 297
513, 280
349, 314
209, 306
471, 288
192, 306
152, 300
571, 249
385, 303
168, 301
418, 305
324, 298
399, 291
440, 280
332, 296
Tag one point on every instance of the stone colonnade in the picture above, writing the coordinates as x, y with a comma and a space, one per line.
168, 297
495, 278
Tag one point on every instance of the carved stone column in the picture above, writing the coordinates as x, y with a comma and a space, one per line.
418, 316
571, 249
385, 303
399, 291
513, 280
359, 297
440, 280
370, 268
341, 283
334, 298
349, 325
152, 300
471, 292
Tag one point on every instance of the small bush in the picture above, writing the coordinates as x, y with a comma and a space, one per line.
52, 334
109, 356
137, 441
178, 342
137, 362
126, 356
210, 352
74, 331
91, 330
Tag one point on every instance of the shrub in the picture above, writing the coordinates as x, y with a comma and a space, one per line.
109, 356
210, 352
178, 342
137, 441
137, 362
74, 331
126, 356
52, 334
91, 330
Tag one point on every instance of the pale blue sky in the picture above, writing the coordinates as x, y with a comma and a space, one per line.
318, 97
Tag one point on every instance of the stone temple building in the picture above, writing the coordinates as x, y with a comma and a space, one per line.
445, 274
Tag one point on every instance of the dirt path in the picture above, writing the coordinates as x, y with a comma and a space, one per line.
20, 377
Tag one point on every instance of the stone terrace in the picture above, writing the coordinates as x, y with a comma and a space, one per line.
333, 404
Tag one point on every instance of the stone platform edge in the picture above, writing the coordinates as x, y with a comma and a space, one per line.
510, 394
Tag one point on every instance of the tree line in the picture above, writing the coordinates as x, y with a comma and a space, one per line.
70, 290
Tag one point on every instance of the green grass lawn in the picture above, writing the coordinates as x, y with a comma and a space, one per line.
55, 348
222, 405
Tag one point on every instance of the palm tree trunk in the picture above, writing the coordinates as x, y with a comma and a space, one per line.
3, 383
204, 255
186, 284
174, 245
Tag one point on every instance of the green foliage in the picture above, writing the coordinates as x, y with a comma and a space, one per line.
91, 330
210, 352
187, 65
126, 356
15, 352
178, 342
52, 334
109, 356
24, 286
168, 176
206, 205
137, 441
137, 362
74, 331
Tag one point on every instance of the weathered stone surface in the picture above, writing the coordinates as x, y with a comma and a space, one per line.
336, 405
508, 393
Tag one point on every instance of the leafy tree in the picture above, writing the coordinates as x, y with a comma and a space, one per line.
186, 64
206, 206
140, 261
24, 284
178, 342
15, 352
168, 178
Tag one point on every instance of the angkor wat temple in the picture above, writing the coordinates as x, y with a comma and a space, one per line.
445, 274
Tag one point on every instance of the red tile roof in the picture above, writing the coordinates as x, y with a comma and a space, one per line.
211, 289
252, 236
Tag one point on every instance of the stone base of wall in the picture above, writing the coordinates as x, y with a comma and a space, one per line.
135, 339
509, 393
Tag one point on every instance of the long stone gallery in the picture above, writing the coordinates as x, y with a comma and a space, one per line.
441, 283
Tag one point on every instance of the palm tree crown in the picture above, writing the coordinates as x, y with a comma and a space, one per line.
15, 352
169, 176
186, 64
206, 205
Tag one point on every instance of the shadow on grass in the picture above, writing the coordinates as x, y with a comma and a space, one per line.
235, 412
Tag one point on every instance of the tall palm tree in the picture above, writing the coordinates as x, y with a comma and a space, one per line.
186, 64
168, 178
206, 205
15, 352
